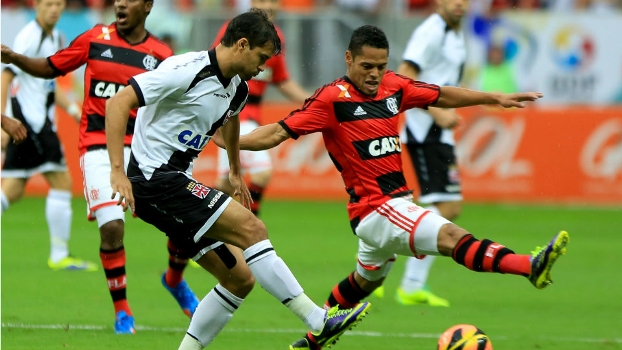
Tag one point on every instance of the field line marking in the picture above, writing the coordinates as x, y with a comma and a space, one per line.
285, 331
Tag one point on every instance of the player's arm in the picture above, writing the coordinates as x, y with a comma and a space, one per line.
38, 67
61, 100
294, 92
14, 128
230, 133
455, 97
118, 110
7, 78
445, 118
264, 137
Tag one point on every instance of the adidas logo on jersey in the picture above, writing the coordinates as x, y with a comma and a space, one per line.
359, 111
107, 54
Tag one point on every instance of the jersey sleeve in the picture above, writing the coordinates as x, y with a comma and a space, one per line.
312, 117
154, 86
418, 94
423, 46
75, 55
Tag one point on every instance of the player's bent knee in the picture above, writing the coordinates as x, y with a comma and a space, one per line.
448, 237
111, 234
240, 286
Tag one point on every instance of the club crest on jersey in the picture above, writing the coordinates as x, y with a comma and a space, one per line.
150, 62
392, 105
344, 90
192, 139
198, 190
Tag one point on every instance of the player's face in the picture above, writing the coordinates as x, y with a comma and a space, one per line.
253, 61
131, 13
453, 10
49, 11
270, 6
366, 69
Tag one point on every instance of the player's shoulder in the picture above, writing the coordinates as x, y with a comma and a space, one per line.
433, 24
189, 61
30, 32
158, 45
334, 90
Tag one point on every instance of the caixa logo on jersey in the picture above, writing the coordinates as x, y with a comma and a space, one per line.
378, 148
193, 139
104, 89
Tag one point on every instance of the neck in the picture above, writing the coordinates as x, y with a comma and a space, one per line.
224, 57
454, 25
46, 28
134, 36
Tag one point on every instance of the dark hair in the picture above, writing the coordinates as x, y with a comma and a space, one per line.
367, 35
255, 26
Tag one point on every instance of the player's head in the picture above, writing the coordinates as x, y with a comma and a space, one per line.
452, 11
48, 12
272, 7
367, 58
253, 40
131, 14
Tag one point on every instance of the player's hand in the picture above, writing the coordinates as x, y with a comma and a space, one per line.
122, 186
15, 129
5, 54
240, 189
517, 99
218, 140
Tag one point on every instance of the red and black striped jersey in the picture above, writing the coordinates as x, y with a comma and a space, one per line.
361, 134
110, 62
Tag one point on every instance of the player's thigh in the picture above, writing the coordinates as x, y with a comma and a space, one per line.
13, 188
238, 226
373, 263
58, 180
402, 227
95, 165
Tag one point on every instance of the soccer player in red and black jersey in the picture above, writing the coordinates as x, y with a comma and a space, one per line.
258, 164
112, 54
358, 118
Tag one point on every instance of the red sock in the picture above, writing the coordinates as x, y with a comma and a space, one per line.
113, 262
177, 262
489, 256
256, 193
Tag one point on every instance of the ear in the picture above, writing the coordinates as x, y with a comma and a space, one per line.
148, 6
243, 44
349, 58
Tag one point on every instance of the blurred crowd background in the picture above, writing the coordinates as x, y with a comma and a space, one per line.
564, 48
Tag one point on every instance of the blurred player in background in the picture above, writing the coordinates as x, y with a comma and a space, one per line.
113, 54
33, 104
259, 164
177, 119
436, 54
14, 128
358, 117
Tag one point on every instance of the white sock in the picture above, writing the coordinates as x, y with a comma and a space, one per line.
58, 214
210, 317
5, 202
190, 343
276, 278
417, 270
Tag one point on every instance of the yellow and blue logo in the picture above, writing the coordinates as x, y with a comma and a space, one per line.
573, 49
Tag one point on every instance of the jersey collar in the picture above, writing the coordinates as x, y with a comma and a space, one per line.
214, 63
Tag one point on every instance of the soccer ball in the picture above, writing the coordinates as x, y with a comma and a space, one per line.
464, 337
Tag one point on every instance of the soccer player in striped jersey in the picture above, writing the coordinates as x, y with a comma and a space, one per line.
112, 54
176, 120
358, 117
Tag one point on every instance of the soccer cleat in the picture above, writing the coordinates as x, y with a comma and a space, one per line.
71, 263
419, 297
378, 292
124, 323
194, 264
304, 344
543, 258
184, 295
338, 321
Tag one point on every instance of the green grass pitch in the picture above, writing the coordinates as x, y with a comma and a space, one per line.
582, 310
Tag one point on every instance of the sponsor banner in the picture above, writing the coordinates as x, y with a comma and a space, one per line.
568, 155
571, 58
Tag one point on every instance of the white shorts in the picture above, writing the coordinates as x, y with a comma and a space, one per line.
96, 167
251, 161
398, 227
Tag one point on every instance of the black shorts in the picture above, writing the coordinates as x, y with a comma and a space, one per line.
181, 207
38, 153
437, 172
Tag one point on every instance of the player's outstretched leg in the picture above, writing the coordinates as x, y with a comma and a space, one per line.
543, 258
